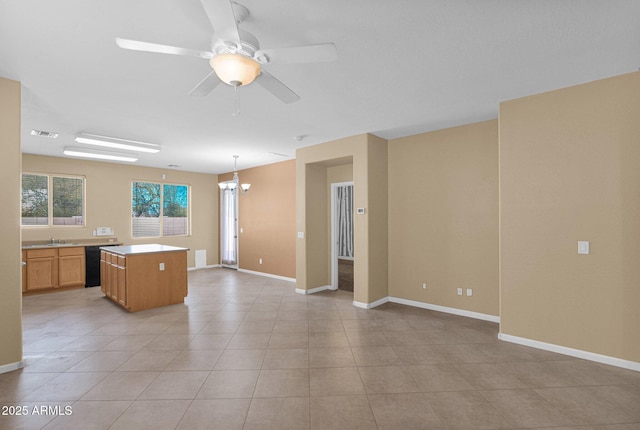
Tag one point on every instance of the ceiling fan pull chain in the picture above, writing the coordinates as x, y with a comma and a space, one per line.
235, 87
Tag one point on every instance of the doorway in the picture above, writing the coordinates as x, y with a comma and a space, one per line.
342, 249
229, 226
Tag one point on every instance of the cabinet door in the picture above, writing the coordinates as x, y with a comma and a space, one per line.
121, 281
122, 285
71, 270
112, 278
42, 273
103, 271
106, 275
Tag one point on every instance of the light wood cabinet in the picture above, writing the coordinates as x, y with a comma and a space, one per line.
42, 269
71, 266
138, 281
52, 268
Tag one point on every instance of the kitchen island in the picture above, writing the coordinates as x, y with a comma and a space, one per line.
139, 277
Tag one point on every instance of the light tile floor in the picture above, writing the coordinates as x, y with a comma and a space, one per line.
247, 352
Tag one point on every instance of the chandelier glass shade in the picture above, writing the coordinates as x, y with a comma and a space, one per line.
234, 184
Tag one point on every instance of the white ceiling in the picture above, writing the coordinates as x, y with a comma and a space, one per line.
405, 67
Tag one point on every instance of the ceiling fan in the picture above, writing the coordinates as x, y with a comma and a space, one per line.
235, 55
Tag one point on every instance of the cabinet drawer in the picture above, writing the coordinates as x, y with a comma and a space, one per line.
41, 253
75, 250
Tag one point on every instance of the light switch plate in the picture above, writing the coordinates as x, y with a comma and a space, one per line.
301, 235
583, 247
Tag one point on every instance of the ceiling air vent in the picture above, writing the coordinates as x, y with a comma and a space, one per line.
44, 133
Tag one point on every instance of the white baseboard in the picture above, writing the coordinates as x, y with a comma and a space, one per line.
371, 305
268, 275
445, 309
213, 266
428, 306
11, 366
313, 290
599, 358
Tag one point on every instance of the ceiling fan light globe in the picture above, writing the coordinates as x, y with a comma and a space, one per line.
233, 68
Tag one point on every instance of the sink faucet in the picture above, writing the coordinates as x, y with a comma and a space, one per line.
53, 241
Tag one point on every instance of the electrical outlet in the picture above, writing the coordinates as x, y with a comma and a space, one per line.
459, 291
424, 285
260, 260
469, 292
161, 266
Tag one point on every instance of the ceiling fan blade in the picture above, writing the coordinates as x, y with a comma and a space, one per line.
223, 19
136, 45
298, 54
206, 85
276, 87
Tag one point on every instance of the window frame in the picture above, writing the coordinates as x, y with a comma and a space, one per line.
51, 197
161, 215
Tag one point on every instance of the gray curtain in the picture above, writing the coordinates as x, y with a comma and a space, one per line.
344, 197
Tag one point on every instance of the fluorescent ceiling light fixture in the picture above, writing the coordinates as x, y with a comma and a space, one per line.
100, 155
116, 143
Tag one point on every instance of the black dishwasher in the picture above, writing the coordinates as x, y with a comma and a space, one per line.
92, 265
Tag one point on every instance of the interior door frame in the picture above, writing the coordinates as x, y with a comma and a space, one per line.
237, 242
334, 233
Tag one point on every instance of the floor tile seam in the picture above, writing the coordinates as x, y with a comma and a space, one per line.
539, 397
614, 405
441, 419
84, 393
131, 402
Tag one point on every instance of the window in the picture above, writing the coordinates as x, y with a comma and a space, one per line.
159, 209
49, 200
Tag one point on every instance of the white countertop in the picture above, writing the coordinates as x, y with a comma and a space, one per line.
142, 249
67, 244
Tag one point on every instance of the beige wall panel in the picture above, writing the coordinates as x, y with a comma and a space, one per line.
313, 164
108, 203
10, 254
267, 217
443, 217
317, 231
309, 273
343, 173
568, 172
378, 214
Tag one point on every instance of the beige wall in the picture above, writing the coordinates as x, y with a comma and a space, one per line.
108, 202
341, 173
10, 257
369, 157
377, 212
266, 215
443, 217
569, 171
317, 234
